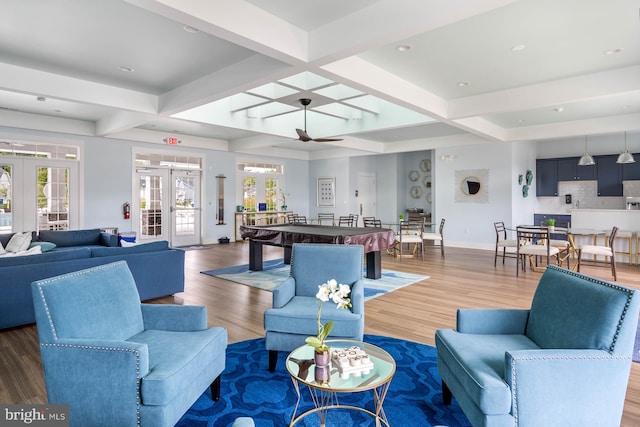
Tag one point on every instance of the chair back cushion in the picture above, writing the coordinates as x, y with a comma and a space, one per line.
574, 311
314, 264
98, 303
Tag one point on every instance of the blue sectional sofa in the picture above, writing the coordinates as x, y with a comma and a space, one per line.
158, 269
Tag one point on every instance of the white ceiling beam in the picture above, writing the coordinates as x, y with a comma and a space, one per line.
121, 121
548, 94
593, 126
49, 85
17, 119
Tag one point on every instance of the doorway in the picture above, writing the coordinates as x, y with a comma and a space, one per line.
167, 206
366, 194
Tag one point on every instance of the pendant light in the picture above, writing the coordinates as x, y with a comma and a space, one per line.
625, 156
586, 159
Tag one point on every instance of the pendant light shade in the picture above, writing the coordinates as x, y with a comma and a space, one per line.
625, 156
586, 159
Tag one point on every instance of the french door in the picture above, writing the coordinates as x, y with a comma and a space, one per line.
167, 206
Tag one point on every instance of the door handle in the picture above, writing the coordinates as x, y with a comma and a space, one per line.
360, 208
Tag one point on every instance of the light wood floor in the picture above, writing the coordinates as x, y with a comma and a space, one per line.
466, 278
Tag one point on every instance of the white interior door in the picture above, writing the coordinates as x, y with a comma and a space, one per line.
151, 206
367, 194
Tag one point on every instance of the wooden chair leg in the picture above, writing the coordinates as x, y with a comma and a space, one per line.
273, 359
215, 389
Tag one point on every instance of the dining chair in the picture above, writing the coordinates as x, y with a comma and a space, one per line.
354, 220
291, 218
502, 242
436, 237
370, 221
300, 219
326, 217
605, 251
628, 237
535, 243
410, 233
345, 221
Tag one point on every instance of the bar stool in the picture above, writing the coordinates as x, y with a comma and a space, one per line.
626, 235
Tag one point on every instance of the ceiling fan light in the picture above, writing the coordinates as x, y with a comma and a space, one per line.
586, 160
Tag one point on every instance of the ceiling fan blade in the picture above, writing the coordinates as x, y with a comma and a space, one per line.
303, 135
326, 139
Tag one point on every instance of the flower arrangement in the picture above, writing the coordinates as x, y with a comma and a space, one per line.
283, 195
339, 294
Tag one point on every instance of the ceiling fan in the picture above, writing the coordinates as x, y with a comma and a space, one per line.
302, 134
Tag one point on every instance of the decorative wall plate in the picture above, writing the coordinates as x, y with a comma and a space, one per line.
426, 181
525, 190
520, 179
414, 175
416, 191
529, 177
425, 165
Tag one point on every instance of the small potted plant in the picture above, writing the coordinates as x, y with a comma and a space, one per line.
551, 225
283, 196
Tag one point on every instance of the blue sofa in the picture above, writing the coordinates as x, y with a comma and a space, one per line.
564, 362
157, 269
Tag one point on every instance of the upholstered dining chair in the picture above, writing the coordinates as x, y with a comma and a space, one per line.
503, 242
605, 251
410, 236
117, 362
535, 245
436, 237
293, 316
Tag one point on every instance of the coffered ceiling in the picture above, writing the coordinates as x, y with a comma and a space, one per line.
383, 75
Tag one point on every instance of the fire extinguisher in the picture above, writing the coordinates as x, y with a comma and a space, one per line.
126, 210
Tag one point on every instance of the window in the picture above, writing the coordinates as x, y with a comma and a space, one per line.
261, 183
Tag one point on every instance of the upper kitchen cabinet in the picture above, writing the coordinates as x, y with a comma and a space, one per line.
546, 177
631, 170
569, 170
609, 175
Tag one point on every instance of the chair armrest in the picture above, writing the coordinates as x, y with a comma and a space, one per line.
492, 321
108, 239
554, 387
357, 297
173, 317
283, 293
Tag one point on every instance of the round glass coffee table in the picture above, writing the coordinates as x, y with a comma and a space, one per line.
373, 372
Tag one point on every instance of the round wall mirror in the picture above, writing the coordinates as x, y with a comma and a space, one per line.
471, 186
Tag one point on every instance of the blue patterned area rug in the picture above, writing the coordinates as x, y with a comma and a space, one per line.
636, 347
248, 389
276, 271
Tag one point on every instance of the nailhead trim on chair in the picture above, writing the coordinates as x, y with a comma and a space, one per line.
128, 350
525, 359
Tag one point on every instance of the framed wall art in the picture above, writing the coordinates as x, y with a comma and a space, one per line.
326, 192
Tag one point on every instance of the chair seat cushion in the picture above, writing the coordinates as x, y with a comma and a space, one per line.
596, 250
478, 362
409, 238
559, 243
507, 243
538, 250
431, 236
299, 316
176, 359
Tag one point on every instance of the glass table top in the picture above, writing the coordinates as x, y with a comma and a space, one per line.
345, 377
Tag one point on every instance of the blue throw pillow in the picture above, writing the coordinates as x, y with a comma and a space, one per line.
44, 246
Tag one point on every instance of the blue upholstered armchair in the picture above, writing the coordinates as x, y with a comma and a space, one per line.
117, 362
564, 362
295, 308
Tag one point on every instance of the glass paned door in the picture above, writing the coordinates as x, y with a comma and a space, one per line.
53, 198
150, 204
186, 207
6, 211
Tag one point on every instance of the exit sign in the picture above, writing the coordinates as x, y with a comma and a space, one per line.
171, 140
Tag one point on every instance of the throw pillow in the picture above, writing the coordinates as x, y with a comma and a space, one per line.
127, 244
19, 242
44, 246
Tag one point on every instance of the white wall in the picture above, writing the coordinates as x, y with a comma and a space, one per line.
471, 224
597, 145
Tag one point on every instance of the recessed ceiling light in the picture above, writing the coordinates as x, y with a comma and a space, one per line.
403, 47
627, 107
126, 69
558, 109
613, 51
463, 84
521, 120
190, 29
518, 47
41, 98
